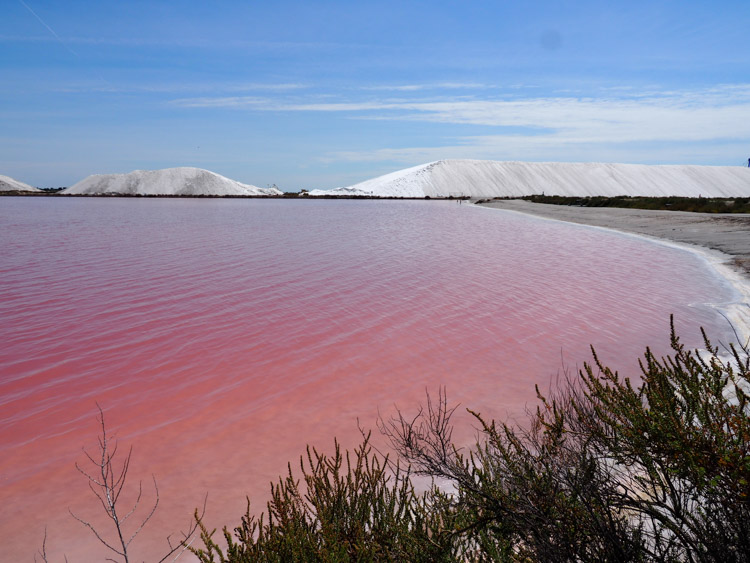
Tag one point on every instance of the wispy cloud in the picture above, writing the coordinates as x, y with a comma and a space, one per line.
175, 88
52, 31
575, 120
436, 86
227, 102
543, 148
265, 104
167, 40
722, 112
709, 125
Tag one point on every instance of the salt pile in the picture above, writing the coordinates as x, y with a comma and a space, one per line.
8, 184
487, 178
184, 181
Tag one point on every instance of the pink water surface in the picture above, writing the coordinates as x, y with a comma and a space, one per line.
221, 336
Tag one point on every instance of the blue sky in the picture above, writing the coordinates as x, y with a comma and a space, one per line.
325, 94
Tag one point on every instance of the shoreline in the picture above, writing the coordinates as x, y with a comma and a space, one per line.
723, 240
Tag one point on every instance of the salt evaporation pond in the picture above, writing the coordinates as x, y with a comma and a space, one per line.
221, 336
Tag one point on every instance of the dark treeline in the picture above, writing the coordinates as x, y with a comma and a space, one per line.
672, 203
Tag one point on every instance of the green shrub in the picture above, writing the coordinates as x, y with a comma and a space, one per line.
604, 469
346, 510
682, 441
671, 203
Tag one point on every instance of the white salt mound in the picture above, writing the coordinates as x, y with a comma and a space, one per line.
489, 178
8, 184
170, 181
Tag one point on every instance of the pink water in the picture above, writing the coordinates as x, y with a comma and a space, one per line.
221, 336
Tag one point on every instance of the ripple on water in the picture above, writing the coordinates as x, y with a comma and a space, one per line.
221, 336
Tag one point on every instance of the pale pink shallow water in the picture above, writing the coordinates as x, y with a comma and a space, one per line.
221, 336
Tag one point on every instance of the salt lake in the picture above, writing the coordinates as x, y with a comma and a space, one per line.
220, 336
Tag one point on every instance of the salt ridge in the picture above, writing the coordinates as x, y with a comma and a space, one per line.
8, 184
488, 178
185, 181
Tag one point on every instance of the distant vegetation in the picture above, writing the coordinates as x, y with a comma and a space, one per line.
696, 204
604, 470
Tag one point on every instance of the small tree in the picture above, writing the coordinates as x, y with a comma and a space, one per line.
106, 481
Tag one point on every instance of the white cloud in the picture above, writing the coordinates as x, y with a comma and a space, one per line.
171, 88
717, 113
629, 125
225, 102
712, 114
437, 86
541, 149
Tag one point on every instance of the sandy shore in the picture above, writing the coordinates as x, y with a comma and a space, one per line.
729, 234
